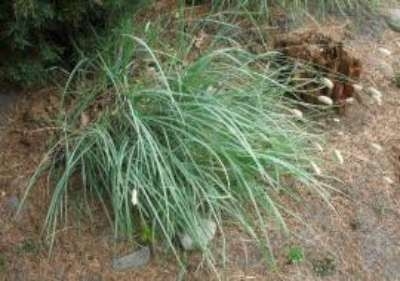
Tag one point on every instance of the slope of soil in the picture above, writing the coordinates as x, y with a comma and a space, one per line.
357, 240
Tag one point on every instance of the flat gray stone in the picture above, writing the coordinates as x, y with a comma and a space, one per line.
135, 260
206, 231
392, 18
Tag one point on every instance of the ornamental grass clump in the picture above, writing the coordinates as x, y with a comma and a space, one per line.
167, 153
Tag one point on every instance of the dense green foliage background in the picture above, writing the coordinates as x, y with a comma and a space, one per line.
36, 35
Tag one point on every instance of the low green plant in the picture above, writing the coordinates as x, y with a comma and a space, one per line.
179, 142
295, 255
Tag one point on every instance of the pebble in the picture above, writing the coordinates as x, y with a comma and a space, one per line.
206, 230
392, 19
135, 260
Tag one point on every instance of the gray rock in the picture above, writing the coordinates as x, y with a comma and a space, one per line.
135, 260
206, 232
392, 19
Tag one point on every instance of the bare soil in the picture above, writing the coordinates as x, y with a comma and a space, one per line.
357, 239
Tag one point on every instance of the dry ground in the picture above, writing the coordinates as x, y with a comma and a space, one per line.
357, 240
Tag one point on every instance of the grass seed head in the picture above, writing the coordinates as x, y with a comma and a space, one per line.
325, 100
327, 83
134, 197
358, 88
385, 51
297, 113
339, 156
316, 169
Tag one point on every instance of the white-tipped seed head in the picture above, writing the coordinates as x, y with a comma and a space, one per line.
358, 88
388, 180
316, 169
297, 113
375, 95
319, 147
376, 146
385, 51
350, 101
134, 198
374, 92
325, 100
339, 156
377, 99
336, 120
327, 83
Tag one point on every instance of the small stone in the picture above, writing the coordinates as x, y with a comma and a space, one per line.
392, 19
206, 231
135, 260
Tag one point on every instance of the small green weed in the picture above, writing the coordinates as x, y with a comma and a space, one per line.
295, 255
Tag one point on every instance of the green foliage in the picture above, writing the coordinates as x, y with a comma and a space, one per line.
295, 255
209, 138
37, 35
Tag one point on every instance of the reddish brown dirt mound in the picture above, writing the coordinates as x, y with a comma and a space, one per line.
326, 55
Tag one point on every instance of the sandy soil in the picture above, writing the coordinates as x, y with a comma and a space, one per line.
357, 240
